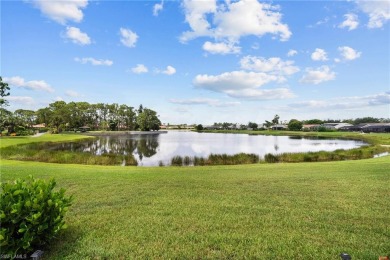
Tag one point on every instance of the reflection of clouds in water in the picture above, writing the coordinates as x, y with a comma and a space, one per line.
165, 146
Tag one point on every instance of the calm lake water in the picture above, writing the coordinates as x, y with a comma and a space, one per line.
149, 150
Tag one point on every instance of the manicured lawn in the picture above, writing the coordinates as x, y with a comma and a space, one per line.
283, 211
15, 140
262, 211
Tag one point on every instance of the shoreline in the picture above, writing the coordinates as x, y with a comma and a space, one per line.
117, 133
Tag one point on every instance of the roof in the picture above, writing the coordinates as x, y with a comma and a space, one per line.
39, 125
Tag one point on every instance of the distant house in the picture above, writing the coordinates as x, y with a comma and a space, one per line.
376, 128
84, 128
39, 126
368, 127
335, 125
279, 127
312, 127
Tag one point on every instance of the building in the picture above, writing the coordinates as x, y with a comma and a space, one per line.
376, 128
279, 127
335, 126
312, 127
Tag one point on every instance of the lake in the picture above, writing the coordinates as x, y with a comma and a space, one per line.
149, 150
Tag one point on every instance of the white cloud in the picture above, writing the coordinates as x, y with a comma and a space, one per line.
94, 61
274, 65
77, 36
158, 8
204, 101
377, 11
231, 20
128, 37
242, 84
221, 48
140, 68
291, 53
72, 93
62, 11
355, 102
351, 22
20, 100
347, 53
319, 55
38, 85
169, 70
317, 76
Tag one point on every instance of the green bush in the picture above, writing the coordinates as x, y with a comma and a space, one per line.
31, 214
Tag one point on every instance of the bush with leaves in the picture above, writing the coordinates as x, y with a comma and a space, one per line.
31, 214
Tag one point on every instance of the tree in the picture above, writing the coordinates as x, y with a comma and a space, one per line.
267, 124
252, 125
366, 120
4, 91
148, 120
275, 121
295, 125
199, 127
314, 122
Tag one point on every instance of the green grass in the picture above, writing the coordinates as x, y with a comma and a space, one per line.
372, 138
16, 140
265, 211
259, 211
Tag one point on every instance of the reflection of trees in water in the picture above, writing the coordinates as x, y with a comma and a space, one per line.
147, 146
144, 146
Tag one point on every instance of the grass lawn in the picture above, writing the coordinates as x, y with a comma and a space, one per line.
264, 211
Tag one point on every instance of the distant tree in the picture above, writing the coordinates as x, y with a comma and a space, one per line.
148, 120
313, 122
275, 121
4, 91
295, 125
252, 125
199, 127
366, 120
267, 124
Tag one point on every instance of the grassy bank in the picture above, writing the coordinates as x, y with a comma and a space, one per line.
16, 140
372, 138
264, 211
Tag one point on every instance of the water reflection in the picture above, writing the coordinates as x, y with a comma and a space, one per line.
149, 150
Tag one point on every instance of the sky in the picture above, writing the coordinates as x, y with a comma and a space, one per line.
201, 61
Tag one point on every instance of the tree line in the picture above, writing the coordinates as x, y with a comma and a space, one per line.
61, 116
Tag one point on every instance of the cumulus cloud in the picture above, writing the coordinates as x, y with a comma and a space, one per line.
351, 22
62, 11
348, 54
291, 53
128, 37
274, 65
221, 48
317, 76
140, 68
354, 102
77, 36
319, 55
169, 70
158, 8
229, 21
377, 11
242, 84
94, 61
38, 85
204, 101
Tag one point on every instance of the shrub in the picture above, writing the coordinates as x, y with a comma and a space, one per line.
31, 214
270, 158
177, 161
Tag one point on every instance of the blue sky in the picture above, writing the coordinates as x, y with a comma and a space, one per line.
201, 61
